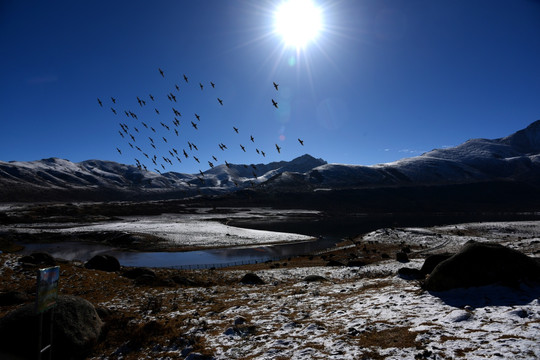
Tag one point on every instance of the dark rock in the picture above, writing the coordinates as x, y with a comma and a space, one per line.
239, 320
76, 329
432, 261
38, 258
314, 278
13, 298
136, 272
197, 356
182, 280
410, 274
385, 256
334, 263
356, 263
103, 262
402, 257
251, 279
150, 280
103, 312
478, 264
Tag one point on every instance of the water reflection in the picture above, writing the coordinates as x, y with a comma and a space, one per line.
85, 251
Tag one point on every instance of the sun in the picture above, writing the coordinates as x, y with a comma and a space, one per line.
298, 22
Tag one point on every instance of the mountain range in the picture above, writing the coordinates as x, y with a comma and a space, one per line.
512, 161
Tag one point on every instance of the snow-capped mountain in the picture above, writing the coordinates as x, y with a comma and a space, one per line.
515, 158
54, 178
512, 158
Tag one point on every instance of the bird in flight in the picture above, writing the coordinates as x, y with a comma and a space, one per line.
119, 151
227, 164
177, 87
213, 85
276, 85
157, 111
161, 72
263, 154
194, 125
185, 78
185, 153
198, 117
113, 100
274, 103
100, 103
201, 85
252, 139
211, 164
213, 157
243, 148
301, 142
151, 97
114, 111
278, 149
164, 139
196, 159
220, 101
235, 129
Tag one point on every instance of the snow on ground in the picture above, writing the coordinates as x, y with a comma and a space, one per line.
366, 312
190, 230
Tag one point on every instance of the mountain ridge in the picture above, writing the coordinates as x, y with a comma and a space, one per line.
514, 158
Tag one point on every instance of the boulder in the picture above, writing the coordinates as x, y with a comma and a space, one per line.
334, 263
13, 298
314, 278
402, 257
251, 279
38, 258
478, 264
76, 329
103, 262
136, 272
432, 261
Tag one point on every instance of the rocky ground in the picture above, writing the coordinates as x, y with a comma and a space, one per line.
305, 309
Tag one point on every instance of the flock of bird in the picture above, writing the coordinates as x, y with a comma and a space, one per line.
164, 154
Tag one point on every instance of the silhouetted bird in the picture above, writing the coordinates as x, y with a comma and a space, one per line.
194, 125
138, 148
198, 117
139, 101
190, 146
122, 135
211, 164
137, 130
213, 157
301, 142
173, 97
100, 103
125, 112
276, 85
235, 129
151, 128
243, 148
177, 87
144, 124
196, 159
274, 103
130, 145
114, 111
227, 164
263, 154
220, 101
185, 154
151, 97
257, 150
176, 112
201, 85
113, 100
253, 172
252, 139
164, 139
185, 78
154, 146
161, 72
132, 137
278, 149
176, 132
157, 111
119, 151
195, 146
213, 85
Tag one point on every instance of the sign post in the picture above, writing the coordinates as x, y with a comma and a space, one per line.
47, 294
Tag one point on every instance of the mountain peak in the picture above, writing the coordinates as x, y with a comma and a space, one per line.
526, 141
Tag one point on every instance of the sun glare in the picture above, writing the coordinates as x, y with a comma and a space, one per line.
298, 22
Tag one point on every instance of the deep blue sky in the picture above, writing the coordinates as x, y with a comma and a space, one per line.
383, 81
